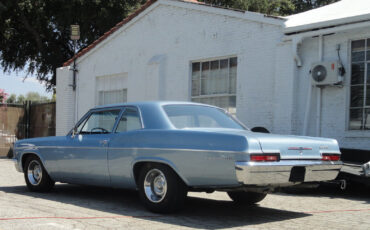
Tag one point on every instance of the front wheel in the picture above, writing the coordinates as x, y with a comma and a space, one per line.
161, 190
246, 198
37, 179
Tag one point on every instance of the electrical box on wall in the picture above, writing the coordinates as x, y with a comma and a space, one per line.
326, 73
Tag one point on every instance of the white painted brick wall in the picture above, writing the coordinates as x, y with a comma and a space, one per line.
65, 107
284, 85
181, 36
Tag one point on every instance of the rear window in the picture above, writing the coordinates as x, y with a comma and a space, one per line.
198, 116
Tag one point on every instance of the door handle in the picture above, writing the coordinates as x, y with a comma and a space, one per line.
103, 142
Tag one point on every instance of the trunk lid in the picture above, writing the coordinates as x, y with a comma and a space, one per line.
296, 147
290, 147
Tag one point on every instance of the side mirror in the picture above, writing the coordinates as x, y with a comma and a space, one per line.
74, 132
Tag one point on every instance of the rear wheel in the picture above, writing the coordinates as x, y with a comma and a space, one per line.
37, 179
160, 188
246, 198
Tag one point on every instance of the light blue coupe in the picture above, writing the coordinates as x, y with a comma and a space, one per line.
165, 149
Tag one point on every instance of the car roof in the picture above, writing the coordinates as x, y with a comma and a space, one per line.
148, 103
153, 117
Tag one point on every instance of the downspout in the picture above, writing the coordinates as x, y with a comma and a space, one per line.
319, 90
74, 86
307, 110
76, 105
296, 42
318, 99
74, 82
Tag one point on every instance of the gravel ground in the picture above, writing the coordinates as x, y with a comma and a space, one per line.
77, 207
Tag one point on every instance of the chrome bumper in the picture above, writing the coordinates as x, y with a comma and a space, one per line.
357, 169
275, 173
17, 165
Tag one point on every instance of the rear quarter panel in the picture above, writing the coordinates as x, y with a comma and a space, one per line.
201, 159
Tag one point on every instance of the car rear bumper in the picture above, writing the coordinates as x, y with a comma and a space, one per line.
286, 172
362, 170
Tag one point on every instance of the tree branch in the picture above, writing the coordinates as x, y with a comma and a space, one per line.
34, 33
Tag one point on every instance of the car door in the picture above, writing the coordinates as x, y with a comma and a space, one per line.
85, 157
121, 151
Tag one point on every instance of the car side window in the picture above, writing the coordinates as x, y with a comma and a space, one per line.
130, 120
99, 122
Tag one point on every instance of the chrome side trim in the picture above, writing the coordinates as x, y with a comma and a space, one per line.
144, 148
275, 173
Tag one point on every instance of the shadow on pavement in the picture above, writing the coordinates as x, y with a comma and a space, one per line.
197, 213
357, 192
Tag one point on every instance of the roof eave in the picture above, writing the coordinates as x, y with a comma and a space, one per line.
326, 24
248, 15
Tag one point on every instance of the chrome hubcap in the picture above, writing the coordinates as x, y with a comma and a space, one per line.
155, 185
34, 172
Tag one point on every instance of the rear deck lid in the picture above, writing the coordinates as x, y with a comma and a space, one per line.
296, 147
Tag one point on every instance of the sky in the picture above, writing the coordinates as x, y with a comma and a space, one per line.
15, 83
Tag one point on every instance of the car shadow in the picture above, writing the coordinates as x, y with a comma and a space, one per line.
197, 213
356, 192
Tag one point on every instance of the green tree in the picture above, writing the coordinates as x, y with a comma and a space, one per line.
33, 96
34, 34
304, 5
12, 98
54, 97
21, 99
271, 7
36, 97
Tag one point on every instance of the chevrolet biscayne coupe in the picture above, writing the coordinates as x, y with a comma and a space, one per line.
165, 149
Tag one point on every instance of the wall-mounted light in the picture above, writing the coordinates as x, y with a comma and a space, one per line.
75, 32
75, 35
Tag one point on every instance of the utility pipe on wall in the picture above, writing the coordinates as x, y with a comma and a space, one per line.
297, 41
318, 97
76, 104
307, 110
319, 90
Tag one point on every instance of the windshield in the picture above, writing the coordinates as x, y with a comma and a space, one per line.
197, 116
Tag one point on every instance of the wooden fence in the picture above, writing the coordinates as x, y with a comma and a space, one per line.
19, 121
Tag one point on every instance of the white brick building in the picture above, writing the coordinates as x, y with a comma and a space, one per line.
253, 65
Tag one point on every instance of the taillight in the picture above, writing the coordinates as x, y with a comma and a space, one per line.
330, 157
265, 157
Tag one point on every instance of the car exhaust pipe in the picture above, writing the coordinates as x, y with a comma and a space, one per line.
343, 184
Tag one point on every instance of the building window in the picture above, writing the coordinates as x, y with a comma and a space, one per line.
214, 83
112, 97
360, 85
111, 89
